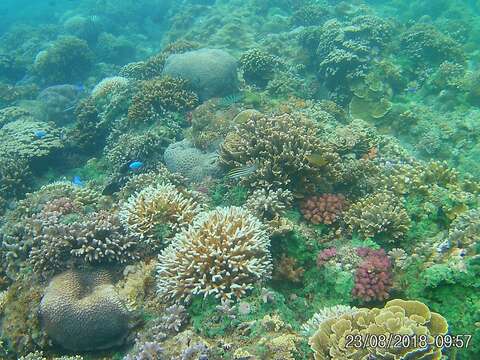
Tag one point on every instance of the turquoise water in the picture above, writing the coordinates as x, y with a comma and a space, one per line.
239, 179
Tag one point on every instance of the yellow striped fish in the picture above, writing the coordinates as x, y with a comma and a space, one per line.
242, 171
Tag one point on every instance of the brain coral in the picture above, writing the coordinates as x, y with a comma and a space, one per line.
399, 318
81, 311
158, 211
224, 253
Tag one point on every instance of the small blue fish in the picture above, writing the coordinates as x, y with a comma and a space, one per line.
411, 89
40, 134
135, 165
443, 247
77, 181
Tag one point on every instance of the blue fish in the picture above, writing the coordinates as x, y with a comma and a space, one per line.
77, 181
411, 90
40, 134
135, 165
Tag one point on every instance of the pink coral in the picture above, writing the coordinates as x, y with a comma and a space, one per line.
373, 278
325, 255
323, 209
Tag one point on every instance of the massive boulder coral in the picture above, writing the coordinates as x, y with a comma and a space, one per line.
183, 158
210, 72
158, 212
279, 149
224, 254
82, 311
409, 320
378, 215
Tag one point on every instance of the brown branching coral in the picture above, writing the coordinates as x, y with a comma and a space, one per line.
158, 212
410, 320
280, 148
224, 253
160, 95
269, 204
378, 214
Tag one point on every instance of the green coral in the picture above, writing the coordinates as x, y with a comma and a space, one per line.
257, 66
67, 60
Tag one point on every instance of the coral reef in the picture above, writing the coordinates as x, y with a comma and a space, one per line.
210, 72
269, 204
159, 95
68, 59
183, 158
397, 317
156, 213
323, 209
257, 66
378, 215
279, 148
373, 278
224, 253
81, 310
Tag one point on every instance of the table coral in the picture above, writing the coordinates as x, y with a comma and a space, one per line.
397, 318
224, 253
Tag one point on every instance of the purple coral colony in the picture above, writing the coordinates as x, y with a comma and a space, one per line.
239, 180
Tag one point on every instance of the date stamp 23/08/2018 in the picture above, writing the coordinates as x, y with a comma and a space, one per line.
388, 341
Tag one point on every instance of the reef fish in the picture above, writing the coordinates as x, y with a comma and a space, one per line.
241, 171
77, 181
40, 134
135, 165
317, 159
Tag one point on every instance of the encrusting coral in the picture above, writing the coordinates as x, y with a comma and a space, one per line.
158, 212
397, 319
224, 253
81, 310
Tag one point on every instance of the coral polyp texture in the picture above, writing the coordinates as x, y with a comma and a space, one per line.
82, 311
158, 212
224, 253
373, 277
397, 318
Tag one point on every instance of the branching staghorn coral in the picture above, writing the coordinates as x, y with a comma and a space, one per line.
278, 147
159, 95
158, 212
399, 318
269, 204
379, 214
224, 253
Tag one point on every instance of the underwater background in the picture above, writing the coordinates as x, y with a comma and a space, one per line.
239, 179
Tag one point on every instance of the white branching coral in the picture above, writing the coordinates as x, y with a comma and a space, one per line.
269, 204
158, 212
224, 253
328, 312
